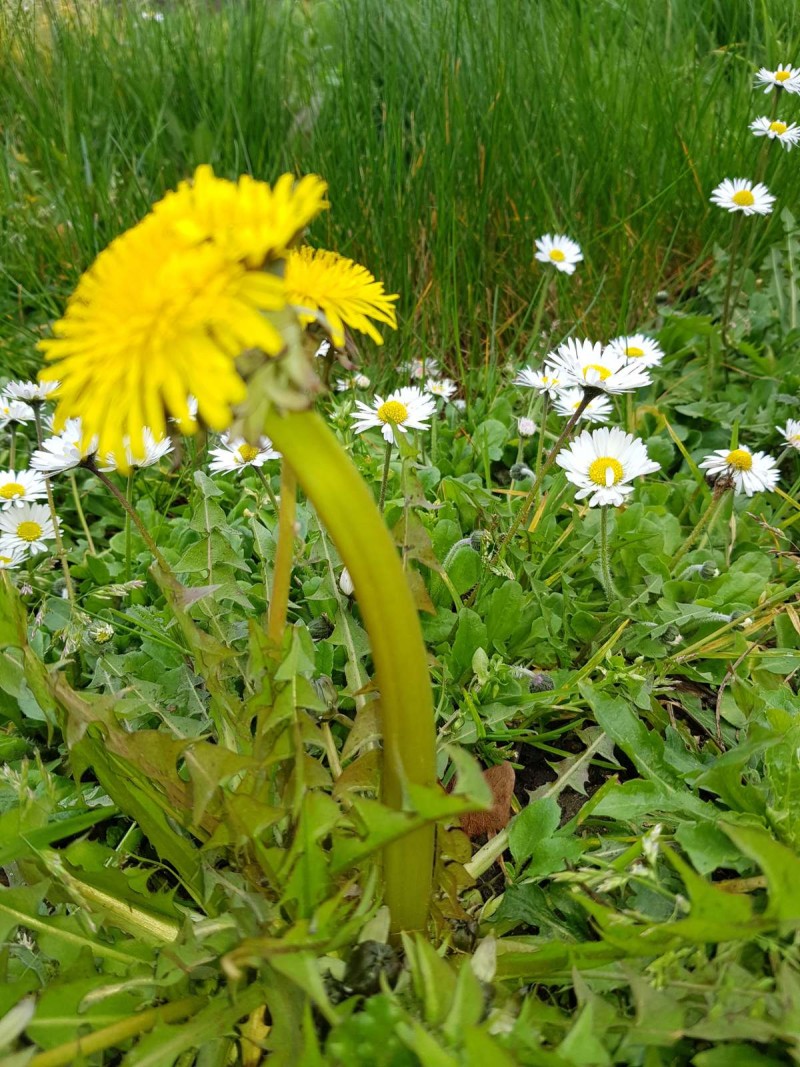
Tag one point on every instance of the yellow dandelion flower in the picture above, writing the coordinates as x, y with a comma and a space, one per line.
152, 321
248, 220
344, 291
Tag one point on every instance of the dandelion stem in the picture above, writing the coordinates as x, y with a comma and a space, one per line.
387, 459
128, 508
60, 550
347, 508
76, 496
284, 555
128, 539
533, 493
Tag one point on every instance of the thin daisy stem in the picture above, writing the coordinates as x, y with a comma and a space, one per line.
128, 539
128, 508
387, 459
605, 557
284, 555
542, 424
347, 508
726, 304
705, 521
544, 289
76, 496
267, 489
533, 493
60, 550
12, 447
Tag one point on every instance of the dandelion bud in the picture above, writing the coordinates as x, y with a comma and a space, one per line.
709, 570
320, 628
526, 427
346, 582
476, 538
540, 683
519, 472
672, 636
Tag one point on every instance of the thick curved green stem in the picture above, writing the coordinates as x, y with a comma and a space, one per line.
346, 507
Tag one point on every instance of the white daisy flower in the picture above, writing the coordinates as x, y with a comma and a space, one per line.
559, 251
791, 433
526, 427
421, 368
739, 194
30, 391
586, 364
64, 451
751, 472
443, 387
404, 409
540, 381
26, 529
234, 454
153, 452
18, 487
602, 463
787, 133
785, 77
569, 400
11, 558
637, 348
12, 410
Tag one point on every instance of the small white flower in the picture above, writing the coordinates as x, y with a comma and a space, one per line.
153, 452
234, 454
421, 368
30, 391
785, 77
739, 194
12, 410
602, 463
791, 433
16, 488
787, 133
11, 558
346, 582
568, 401
559, 251
751, 472
354, 381
443, 387
323, 350
526, 427
550, 384
460, 403
637, 348
26, 529
404, 409
586, 364
153, 16
64, 451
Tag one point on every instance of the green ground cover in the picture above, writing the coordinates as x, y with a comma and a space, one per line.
189, 822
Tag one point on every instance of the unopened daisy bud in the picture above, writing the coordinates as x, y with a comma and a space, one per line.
709, 571
540, 683
526, 427
320, 628
361, 381
672, 636
519, 472
459, 403
346, 582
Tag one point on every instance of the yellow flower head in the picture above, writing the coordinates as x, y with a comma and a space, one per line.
345, 292
248, 220
151, 321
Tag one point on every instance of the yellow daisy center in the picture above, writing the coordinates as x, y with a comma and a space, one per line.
11, 489
599, 468
392, 411
4, 560
29, 531
782, 75
744, 198
602, 372
740, 459
557, 255
248, 453
778, 127
633, 351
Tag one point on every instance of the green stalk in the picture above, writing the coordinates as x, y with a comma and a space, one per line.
346, 507
284, 555
387, 459
605, 557
76, 496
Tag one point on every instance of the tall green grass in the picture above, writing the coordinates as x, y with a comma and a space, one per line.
452, 133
